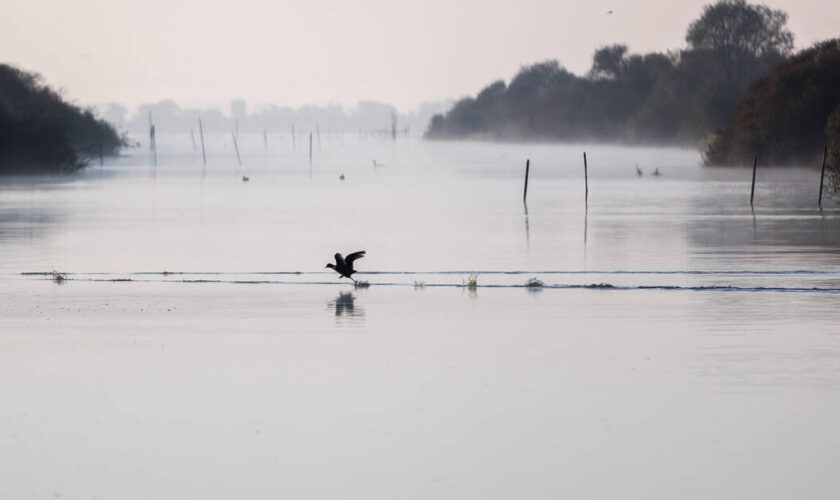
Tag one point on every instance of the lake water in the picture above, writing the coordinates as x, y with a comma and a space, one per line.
199, 349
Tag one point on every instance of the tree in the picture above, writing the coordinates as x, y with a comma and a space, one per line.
608, 62
744, 39
787, 117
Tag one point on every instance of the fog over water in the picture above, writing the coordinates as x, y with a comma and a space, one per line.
197, 346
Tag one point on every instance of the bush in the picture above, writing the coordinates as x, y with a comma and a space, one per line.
39, 132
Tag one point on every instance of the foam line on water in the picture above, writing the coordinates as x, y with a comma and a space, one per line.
723, 272
559, 286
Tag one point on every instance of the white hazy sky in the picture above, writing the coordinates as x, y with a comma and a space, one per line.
334, 51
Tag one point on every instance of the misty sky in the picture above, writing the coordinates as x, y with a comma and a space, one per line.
322, 51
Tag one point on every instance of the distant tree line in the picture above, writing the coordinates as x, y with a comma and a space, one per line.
40, 132
788, 117
675, 97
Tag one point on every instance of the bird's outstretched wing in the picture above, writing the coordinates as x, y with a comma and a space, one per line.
353, 256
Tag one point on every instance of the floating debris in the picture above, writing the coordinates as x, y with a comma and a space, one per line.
341, 178
534, 283
361, 284
58, 278
419, 284
245, 178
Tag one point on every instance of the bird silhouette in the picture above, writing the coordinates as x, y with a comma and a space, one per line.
344, 265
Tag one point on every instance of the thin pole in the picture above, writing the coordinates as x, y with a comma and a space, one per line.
752, 189
318, 132
192, 137
265, 139
201, 133
822, 175
527, 169
236, 148
294, 147
152, 140
586, 178
310, 149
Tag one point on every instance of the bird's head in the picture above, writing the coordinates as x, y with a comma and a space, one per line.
330, 265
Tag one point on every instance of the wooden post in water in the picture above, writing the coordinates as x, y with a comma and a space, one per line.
752, 189
201, 133
822, 175
152, 140
525, 192
310, 149
585, 179
236, 148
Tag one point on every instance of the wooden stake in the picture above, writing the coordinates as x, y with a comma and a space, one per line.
201, 133
586, 178
752, 189
822, 175
152, 140
527, 169
236, 148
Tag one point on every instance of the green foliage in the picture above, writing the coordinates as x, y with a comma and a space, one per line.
785, 118
744, 40
677, 97
40, 132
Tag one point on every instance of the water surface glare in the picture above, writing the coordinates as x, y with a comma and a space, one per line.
173, 333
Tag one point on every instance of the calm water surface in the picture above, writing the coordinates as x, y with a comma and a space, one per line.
199, 349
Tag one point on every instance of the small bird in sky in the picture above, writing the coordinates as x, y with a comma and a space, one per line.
344, 265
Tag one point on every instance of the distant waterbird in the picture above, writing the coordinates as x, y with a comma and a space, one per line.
344, 265
245, 178
657, 172
341, 177
638, 171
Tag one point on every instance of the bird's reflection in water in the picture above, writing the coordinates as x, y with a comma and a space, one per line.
345, 307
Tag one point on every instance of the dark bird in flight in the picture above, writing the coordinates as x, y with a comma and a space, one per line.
344, 265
